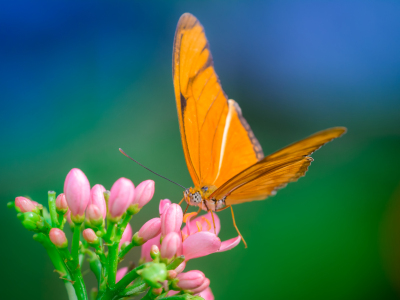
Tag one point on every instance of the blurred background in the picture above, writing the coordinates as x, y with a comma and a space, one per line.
80, 79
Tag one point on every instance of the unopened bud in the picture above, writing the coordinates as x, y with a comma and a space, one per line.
58, 238
171, 274
94, 215
23, 204
149, 230
189, 280
90, 236
154, 252
61, 204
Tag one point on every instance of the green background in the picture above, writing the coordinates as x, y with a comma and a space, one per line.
80, 80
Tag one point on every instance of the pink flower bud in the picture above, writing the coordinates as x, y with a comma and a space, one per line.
154, 252
181, 267
171, 274
164, 204
145, 256
201, 288
77, 193
190, 280
121, 273
122, 194
171, 245
150, 229
143, 193
126, 236
94, 215
90, 236
97, 198
206, 294
61, 203
58, 238
171, 219
24, 204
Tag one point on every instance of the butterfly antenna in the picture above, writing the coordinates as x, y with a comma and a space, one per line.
122, 151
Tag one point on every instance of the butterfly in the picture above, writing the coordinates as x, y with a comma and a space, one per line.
223, 156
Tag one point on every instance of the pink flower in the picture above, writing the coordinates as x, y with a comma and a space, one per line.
122, 194
126, 236
77, 193
171, 245
171, 219
200, 240
121, 273
146, 247
90, 236
143, 193
201, 288
94, 215
164, 204
206, 294
61, 203
24, 204
190, 280
149, 230
58, 238
97, 198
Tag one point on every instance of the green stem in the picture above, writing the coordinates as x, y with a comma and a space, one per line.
58, 263
75, 243
70, 291
128, 247
79, 284
112, 264
52, 208
128, 278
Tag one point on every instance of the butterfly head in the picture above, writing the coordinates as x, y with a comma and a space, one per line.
192, 196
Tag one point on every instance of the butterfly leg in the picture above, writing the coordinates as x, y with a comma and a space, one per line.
180, 202
234, 223
212, 216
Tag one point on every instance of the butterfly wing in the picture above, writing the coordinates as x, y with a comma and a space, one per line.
217, 141
265, 177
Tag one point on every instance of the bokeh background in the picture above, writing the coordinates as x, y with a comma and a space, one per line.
80, 79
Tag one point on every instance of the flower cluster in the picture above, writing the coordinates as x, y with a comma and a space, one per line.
100, 219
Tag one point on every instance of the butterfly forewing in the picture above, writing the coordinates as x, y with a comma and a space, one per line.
213, 132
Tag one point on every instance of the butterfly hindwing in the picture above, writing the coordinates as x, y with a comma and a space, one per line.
274, 171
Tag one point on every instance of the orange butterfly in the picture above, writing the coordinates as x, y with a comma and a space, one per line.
224, 158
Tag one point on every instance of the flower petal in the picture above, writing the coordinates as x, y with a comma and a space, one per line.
200, 244
146, 247
207, 225
121, 273
229, 244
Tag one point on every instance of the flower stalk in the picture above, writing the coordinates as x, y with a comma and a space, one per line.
107, 237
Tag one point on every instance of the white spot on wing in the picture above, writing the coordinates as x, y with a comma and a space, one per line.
225, 135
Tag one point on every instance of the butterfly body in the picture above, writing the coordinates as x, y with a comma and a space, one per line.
202, 197
223, 156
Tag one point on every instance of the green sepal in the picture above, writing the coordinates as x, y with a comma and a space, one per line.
154, 274
20, 216
133, 209
31, 221
176, 262
11, 204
